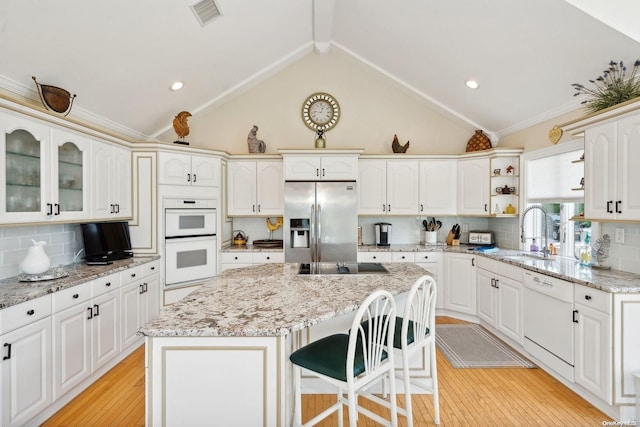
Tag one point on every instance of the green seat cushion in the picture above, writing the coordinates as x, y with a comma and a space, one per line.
328, 356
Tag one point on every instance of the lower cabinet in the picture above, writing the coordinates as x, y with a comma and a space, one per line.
239, 259
592, 341
499, 297
25, 376
432, 262
140, 298
85, 331
460, 283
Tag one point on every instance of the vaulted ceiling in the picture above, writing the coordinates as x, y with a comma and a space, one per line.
121, 56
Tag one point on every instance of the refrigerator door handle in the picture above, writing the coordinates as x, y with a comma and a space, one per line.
319, 234
312, 232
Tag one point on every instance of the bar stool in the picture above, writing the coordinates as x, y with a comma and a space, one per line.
352, 362
419, 315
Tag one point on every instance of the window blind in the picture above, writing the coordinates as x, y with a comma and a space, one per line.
552, 178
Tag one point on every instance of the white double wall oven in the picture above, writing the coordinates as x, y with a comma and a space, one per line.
190, 240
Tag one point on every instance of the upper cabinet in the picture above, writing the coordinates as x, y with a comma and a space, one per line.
320, 168
388, 187
437, 189
473, 186
111, 196
612, 153
46, 172
505, 181
255, 188
186, 169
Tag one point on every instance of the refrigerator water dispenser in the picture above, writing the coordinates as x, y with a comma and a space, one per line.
299, 232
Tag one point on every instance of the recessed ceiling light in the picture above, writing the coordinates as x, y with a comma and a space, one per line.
176, 86
472, 84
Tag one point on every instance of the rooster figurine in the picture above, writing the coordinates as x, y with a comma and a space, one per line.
273, 227
181, 126
397, 148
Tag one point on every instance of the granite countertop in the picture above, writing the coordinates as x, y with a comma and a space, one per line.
272, 300
13, 291
569, 269
248, 248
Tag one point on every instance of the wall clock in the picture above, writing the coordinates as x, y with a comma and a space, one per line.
320, 111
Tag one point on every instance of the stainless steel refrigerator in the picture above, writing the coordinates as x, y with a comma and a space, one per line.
321, 224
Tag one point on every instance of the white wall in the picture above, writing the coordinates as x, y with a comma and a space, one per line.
374, 108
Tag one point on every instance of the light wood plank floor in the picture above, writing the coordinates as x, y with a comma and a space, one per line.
468, 397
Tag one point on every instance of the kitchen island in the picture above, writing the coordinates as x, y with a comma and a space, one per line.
222, 353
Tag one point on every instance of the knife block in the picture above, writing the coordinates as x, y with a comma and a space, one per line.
451, 240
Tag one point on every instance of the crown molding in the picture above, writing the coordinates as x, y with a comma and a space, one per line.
540, 118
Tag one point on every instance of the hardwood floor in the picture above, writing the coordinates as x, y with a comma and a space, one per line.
468, 397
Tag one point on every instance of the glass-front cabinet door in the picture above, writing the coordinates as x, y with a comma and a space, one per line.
70, 166
45, 174
23, 156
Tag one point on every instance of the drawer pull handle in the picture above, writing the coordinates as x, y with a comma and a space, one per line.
76, 296
107, 284
31, 312
8, 356
97, 307
575, 313
587, 297
90, 313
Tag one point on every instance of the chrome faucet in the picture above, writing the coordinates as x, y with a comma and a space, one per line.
545, 249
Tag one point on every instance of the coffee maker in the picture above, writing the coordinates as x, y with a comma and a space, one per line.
383, 234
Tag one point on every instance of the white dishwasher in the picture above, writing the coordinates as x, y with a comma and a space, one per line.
548, 321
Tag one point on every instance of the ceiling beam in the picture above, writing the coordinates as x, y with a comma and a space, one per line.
322, 24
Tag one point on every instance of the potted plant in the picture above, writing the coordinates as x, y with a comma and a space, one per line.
617, 84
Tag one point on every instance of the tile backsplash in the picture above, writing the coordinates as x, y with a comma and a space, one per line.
63, 241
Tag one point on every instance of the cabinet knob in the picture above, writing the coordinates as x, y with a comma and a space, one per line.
375, 257
235, 257
31, 312
402, 256
133, 274
587, 297
426, 257
268, 257
76, 296
107, 284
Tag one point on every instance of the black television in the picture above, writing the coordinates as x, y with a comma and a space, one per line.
106, 241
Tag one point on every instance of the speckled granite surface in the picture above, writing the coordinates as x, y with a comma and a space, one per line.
272, 300
613, 281
14, 292
248, 248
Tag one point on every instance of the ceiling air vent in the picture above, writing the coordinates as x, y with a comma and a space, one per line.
205, 11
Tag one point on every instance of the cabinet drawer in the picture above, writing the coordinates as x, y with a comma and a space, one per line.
236, 257
431, 257
508, 270
151, 268
131, 275
105, 284
71, 296
487, 264
374, 256
22, 314
402, 257
593, 298
268, 257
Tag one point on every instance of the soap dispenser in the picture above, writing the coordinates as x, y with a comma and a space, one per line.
534, 246
585, 252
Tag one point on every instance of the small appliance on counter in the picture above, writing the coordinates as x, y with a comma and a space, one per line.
481, 238
383, 234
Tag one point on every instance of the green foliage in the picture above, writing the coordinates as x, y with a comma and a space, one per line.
615, 85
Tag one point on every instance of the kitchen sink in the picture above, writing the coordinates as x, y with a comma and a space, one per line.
345, 268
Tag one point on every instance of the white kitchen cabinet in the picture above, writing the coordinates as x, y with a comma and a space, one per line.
140, 300
238, 259
612, 153
319, 168
186, 169
85, 331
437, 187
112, 181
626, 347
499, 297
46, 172
593, 341
25, 368
473, 187
255, 188
377, 256
460, 283
388, 187
432, 262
